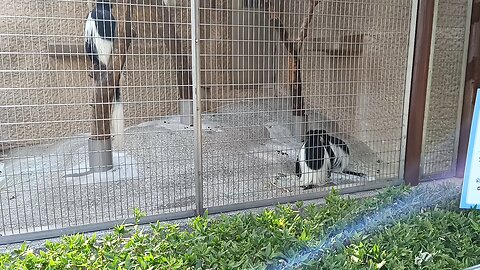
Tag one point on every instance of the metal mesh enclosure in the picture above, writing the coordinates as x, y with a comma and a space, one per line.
46, 102
267, 70
353, 62
446, 83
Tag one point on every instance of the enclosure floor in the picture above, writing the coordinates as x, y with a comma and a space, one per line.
248, 155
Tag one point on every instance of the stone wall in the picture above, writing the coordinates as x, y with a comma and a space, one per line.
46, 97
445, 87
360, 94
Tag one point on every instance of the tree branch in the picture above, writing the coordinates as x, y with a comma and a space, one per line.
293, 48
181, 60
294, 73
306, 22
107, 80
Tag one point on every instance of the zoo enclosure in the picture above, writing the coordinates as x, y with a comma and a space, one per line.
230, 143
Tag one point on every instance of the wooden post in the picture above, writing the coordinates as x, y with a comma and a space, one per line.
423, 39
182, 65
107, 80
181, 60
102, 104
472, 83
293, 48
294, 67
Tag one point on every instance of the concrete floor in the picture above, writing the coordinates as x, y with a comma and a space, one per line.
248, 154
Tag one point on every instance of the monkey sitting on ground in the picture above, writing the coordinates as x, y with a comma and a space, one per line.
319, 156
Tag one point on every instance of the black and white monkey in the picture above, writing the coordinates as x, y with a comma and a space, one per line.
100, 31
319, 156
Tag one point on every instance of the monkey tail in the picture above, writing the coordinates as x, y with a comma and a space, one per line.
118, 120
354, 173
298, 172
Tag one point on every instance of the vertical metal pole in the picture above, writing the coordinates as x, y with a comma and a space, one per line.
418, 94
197, 104
472, 82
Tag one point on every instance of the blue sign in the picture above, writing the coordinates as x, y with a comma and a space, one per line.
471, 182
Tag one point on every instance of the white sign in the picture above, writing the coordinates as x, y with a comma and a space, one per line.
471, 182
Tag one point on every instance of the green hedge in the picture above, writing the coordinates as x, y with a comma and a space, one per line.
431, 236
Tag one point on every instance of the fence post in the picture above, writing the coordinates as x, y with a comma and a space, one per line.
418, 95
472, 82
197, 104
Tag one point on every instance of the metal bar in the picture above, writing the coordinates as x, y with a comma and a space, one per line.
423, 40
472, 82
48, 234
95, 227
437, 176
300, 197
408, 85
197, 104
462, 86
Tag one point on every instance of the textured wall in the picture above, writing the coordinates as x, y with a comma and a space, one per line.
445, 87
44, 97
362, 94
47, 97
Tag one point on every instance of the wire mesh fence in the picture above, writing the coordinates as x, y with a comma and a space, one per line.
47, 99
267, 72
448, 66
352, 62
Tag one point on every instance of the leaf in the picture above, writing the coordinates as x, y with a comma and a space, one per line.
268, 251
381, 264
354, 258
303, 236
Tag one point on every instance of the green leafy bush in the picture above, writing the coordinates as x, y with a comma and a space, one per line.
440, 237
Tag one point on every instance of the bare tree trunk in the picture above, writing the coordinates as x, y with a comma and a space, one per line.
103, 97
306, 21
294, 67
180, 59
106, 81
126, 33
294, 73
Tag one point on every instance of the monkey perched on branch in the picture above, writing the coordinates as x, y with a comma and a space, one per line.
100, 33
